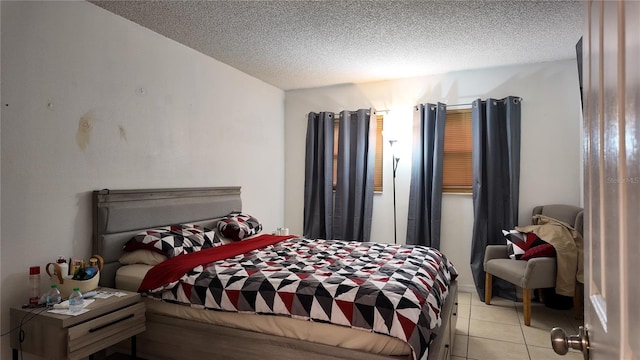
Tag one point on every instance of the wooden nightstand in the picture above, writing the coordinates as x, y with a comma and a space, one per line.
55, 336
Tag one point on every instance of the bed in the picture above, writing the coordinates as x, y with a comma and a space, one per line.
176, 331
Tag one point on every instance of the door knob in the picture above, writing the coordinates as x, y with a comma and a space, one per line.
561, 343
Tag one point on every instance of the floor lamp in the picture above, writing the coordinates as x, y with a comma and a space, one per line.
396, 159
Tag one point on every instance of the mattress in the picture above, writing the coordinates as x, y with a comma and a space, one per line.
129, 278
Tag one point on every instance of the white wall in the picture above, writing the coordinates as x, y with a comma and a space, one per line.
550, 157
91, 101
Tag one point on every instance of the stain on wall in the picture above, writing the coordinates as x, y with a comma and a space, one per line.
123, 133
83, 135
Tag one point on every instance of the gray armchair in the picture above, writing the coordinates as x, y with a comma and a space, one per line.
536, 273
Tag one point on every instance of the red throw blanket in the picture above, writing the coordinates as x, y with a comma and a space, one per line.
173, 269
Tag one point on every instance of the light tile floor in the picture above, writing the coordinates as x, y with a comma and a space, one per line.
497, 331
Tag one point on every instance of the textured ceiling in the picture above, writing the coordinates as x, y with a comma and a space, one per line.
301, 44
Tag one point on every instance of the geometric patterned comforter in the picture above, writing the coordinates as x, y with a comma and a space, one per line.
397, 290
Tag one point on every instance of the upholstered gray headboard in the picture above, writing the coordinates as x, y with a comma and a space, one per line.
120, 214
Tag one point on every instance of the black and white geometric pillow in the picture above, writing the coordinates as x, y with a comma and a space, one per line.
238, 225
173, 240
515, 243
200, 237
518, 242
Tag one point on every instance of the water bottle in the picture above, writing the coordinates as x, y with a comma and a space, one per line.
34, 286
76, 301
53, 296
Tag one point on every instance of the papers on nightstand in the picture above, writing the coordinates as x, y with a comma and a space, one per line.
63, 308
103, 294
68, 312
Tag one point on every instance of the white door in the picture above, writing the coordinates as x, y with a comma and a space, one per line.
611, 49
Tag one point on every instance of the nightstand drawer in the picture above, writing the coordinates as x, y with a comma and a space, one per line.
93, 335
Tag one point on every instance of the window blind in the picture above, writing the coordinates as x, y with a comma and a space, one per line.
457, 167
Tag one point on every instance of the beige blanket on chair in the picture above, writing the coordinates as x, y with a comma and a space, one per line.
568, 244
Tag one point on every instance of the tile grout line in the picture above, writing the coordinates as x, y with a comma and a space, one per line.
466, 352
526, 344
533, 346
514, 306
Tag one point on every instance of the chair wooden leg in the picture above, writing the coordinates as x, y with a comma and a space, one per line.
526, 306
487, 288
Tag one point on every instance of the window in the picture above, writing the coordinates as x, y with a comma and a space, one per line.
457, 173
377, 177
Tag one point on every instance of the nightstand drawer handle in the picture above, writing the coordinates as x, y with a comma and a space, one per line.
111, 323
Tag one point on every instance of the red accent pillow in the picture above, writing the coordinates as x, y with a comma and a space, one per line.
518, 243
544, 250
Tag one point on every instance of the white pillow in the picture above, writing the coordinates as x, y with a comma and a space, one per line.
142, 257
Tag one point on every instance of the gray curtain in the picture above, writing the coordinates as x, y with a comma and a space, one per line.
496, 179
425, 195
354, 187
318, 179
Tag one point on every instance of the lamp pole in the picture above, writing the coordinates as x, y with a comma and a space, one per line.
395, 161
